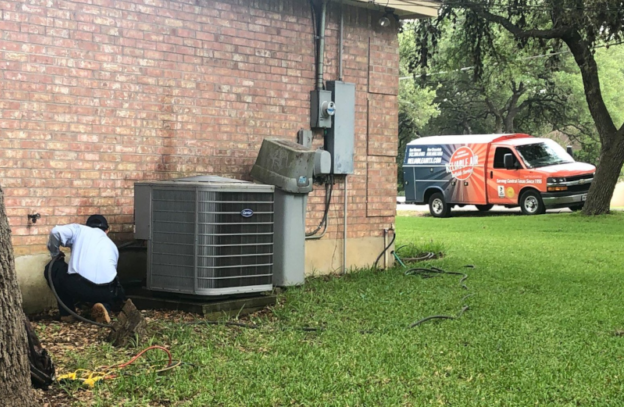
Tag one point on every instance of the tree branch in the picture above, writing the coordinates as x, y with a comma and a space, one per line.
589, 72
551, 34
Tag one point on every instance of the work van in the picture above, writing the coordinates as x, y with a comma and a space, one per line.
500, 169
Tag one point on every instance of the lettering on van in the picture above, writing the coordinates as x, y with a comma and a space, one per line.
519, 181
418, 155
462, 163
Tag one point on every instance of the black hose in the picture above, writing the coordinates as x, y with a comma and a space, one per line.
329, 187
386, 248
435, 272
464, 309
65, 307
422, 272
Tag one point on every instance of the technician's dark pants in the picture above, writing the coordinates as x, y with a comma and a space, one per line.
73, 288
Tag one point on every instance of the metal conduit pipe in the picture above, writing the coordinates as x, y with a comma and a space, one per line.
385, 254
340, 43
344, 237
321, 47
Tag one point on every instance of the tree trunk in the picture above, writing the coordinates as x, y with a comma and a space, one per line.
15, 388
607, 173
509, 122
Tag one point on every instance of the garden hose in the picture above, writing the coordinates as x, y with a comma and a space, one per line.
434, 272
422, 272
402, 261
385, 249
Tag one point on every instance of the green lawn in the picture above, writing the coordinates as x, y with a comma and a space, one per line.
544, 328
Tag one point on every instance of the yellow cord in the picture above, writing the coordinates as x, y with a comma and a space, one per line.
90, 377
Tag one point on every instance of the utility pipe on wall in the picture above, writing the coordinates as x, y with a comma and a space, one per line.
340, 42
385, 251
321, 48
344, 236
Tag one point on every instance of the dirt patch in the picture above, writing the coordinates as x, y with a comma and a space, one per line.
68, 344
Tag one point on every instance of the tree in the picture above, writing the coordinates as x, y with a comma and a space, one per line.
512, 86
547, 25
15, 388
416, 106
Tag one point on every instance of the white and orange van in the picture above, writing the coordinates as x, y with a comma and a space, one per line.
498, 169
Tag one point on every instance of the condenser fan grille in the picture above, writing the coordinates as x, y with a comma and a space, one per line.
234, 250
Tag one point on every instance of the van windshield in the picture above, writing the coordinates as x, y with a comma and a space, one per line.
544, 154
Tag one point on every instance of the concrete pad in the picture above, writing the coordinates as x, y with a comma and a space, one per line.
209, 307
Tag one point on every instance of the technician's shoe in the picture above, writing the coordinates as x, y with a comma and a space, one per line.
68, 319
100, 314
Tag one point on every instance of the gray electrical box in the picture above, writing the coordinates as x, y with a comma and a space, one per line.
322, 109
340, 139
322, 162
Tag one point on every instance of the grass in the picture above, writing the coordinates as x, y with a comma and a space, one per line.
544, 328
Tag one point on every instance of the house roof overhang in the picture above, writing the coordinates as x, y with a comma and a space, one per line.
404, 9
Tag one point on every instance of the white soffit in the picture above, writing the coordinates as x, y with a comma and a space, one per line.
402, 8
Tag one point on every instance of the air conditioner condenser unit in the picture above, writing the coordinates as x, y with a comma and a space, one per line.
206, 235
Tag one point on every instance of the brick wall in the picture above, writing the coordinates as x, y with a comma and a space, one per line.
98, 94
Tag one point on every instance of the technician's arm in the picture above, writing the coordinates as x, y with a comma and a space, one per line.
61, 236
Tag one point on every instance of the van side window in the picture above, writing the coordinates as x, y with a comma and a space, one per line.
499, 157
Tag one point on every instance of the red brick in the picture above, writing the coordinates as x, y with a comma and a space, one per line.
100, 93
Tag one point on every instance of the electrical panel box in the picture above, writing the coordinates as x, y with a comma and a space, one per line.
340, 138
322, 108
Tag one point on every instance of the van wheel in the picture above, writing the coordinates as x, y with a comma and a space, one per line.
438, 206
531, 203
484, 208
576, 208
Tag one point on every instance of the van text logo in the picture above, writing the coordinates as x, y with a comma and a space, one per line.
462, 163
246, 213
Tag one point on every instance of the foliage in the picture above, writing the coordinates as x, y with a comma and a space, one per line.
542, 329
582, 131
545, 25
512, 91
416, 106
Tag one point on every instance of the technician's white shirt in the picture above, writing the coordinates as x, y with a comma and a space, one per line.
93, 255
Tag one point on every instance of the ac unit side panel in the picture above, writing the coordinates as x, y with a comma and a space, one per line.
172, 254
142, 211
